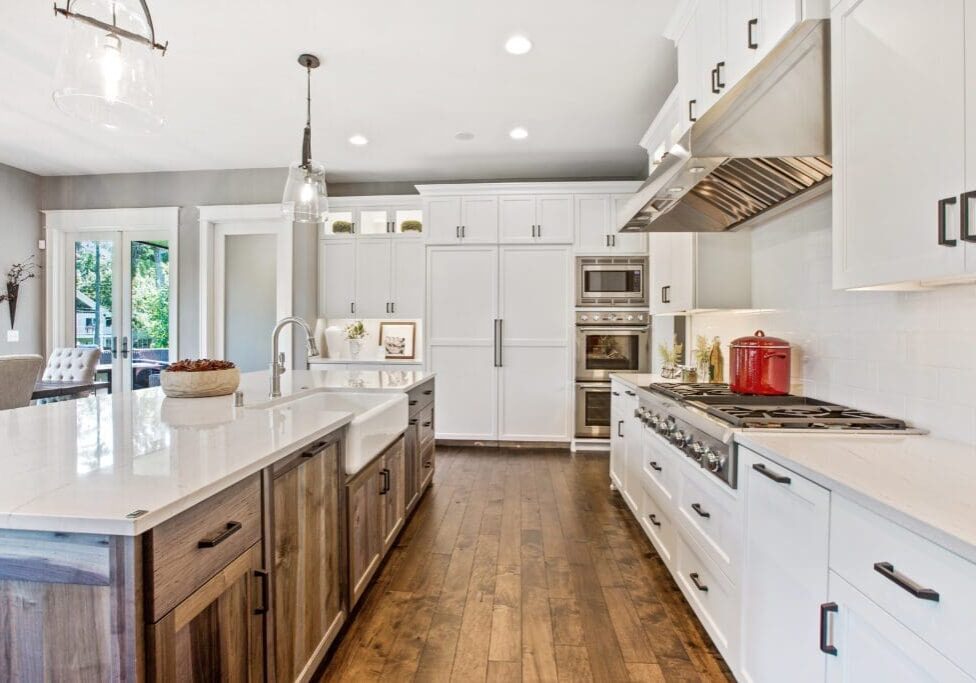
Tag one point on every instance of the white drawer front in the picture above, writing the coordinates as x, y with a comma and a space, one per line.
660, 468
861, 539
712, 518
710, 593
658, 526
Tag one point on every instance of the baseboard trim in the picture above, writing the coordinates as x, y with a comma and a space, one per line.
479, 443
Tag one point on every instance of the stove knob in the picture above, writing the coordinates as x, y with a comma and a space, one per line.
630, 317
678, 438
584, 318
697, 449
596, 316
712, 461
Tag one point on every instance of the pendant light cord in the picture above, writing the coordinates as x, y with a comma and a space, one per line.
307, 137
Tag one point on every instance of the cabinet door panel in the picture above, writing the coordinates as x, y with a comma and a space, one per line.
466, 401
374, 266
534, 298
517, 218
626, 243
778, 18
660, 264
479, 220
554, 216
898, 67
365, 520
592, 223
443, 219
970, 89
409, 273
710, 16
682, 295
534, 394
337, 278
689, 80
392, 495
463, 295
740, 37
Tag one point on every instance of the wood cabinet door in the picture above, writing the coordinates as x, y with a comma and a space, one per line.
897, 66
393, 493
443, 220
309, 607
216, 634
374, 275
412, 466
337, 278
364, 523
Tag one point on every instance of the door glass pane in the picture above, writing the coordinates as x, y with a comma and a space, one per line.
373, 222
339, 223
618, 352
597, 409
409, 221
149, 341
94, 322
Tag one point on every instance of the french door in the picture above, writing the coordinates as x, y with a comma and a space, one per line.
119, 298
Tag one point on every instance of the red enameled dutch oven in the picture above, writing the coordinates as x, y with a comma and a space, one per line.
759, 365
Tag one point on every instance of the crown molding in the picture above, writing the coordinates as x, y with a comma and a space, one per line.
573, 187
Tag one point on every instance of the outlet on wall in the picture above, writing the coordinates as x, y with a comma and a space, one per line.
13, 336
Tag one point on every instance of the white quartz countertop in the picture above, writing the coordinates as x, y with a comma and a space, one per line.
82, 466
925, 484
636, 380
320, 360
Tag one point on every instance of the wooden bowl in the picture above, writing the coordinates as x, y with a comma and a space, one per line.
200, 384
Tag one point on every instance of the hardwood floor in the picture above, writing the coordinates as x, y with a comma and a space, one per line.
523, 565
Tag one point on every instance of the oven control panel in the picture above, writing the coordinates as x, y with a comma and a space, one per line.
708, 452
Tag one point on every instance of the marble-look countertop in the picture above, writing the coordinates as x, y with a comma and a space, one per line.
321, 360
82, 466
923, 483
636, 380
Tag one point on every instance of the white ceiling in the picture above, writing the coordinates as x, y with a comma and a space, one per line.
407, 74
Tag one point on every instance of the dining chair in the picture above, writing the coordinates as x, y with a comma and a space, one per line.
72, 365
18, 374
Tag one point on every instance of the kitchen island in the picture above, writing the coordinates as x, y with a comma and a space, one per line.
150, 538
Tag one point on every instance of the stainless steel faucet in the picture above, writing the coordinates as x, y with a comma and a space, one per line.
277, 360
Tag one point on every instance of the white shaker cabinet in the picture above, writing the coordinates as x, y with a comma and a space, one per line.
899, 126
596, 233
462, 220
698, 271
785, 572
409, 278
618, 446
374, 268
536, 219
337, 278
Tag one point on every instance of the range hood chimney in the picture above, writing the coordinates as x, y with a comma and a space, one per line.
762, 147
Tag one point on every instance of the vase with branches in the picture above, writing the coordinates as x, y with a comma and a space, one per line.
18, 274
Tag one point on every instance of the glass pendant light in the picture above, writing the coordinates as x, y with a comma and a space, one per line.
106, 74
305, 199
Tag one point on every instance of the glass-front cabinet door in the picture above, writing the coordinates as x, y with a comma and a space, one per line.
374, 221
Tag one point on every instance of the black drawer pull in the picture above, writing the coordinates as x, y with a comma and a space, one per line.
887, 570
941, 222
412, 421
698, 584
229, 530
825, 647
655, 466
766, 472
413, 402
653, 519
428, 392
615, 393
427, 464
751, 42
263, 575
385, 473
427, 423
630, 393
701, 513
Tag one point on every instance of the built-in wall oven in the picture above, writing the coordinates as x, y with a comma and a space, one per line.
611, 281
606, 342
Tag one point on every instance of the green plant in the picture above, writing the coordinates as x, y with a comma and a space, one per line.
411, 226
342, 227
356, 330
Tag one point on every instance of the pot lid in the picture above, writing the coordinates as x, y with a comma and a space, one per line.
760, 340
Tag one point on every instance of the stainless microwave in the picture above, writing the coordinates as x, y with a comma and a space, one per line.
611, 281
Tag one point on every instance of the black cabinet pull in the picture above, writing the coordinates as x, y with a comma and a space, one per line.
718, 75
715, 89
428, 392
263, 575
412, 403
698, 584
427, 423
229, 530
887, 570
964, 200
631, 393
620, 424
385, 473
427, 465
766, 472
826, 647
615, 393
701, 513
691, 115
653, 519
413, 421
750, 41
655, 466
941, 222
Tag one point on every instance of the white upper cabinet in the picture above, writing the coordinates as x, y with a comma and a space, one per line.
407, 299
710, 21
337, 278
375, 216
776, 18
689, 83
374, 266
967, 202
534, 219
741, 37
626, 242
696, 271
462, 220
899, 75
443, 219
596, 227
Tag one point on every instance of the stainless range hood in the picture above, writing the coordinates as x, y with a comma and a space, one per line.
763, 146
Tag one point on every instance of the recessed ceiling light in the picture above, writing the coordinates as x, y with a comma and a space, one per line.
358, 140
696, 169
676, 190
518, 45
518, 133
464, 136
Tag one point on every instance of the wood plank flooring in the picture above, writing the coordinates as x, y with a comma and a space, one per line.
522, 565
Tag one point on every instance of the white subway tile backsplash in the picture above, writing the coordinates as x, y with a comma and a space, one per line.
903, 354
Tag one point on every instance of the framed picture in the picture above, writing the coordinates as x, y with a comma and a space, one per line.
398, 339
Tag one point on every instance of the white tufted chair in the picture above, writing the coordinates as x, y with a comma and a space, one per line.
72, 365
18, 374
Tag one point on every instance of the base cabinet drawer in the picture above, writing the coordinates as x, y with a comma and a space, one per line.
658, 526
660, 467
711, 517
185, 551
925, 587
864, 643
710, 593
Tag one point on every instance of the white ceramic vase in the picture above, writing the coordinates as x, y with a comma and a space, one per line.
355, 346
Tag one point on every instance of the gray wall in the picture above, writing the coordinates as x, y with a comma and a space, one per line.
187, 190
20, 228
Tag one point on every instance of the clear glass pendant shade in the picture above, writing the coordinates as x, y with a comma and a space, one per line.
305, 199
105, 79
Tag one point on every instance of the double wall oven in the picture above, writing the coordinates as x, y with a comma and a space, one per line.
606, 341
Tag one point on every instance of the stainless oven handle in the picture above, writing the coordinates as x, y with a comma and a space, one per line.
617, 330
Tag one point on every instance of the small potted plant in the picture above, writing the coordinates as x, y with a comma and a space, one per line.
341, 227
411, 226
18, 274
355, 334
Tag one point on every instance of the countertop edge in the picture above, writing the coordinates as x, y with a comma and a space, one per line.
927, 530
